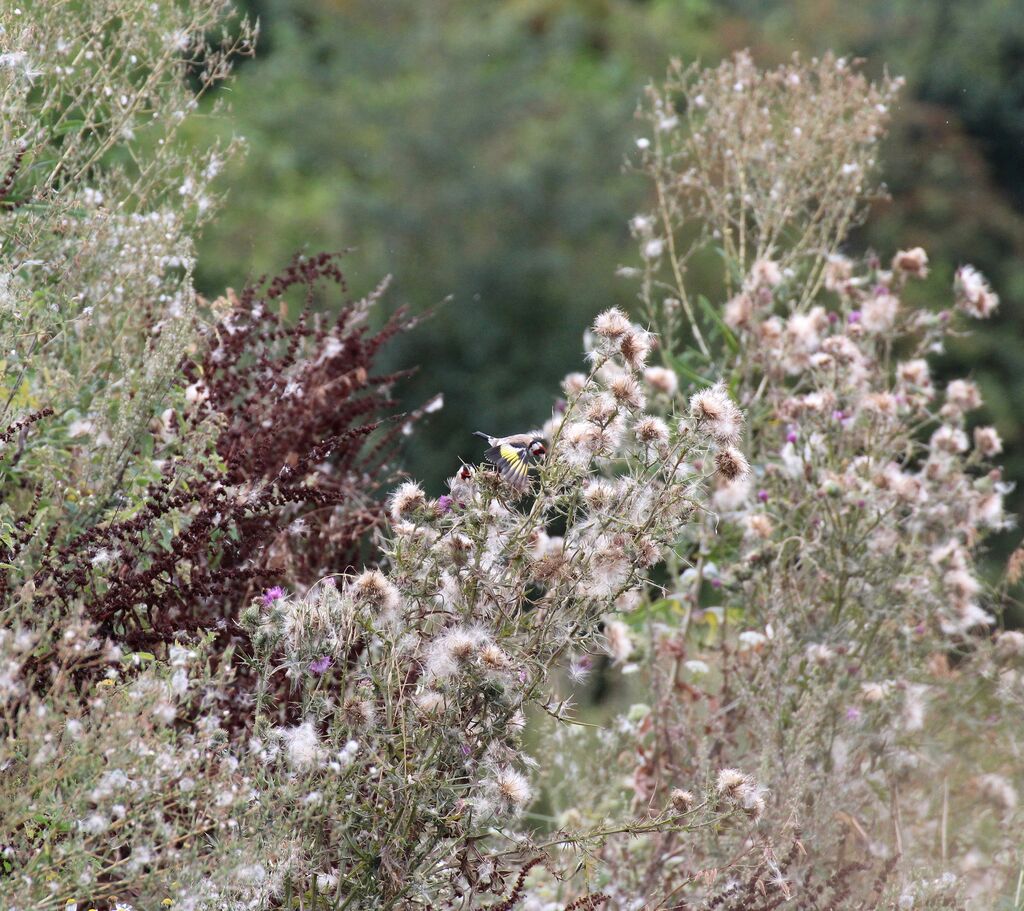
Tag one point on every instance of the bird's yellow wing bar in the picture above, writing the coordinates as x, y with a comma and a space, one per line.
512, 464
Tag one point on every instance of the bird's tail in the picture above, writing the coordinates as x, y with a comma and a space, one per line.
480, 433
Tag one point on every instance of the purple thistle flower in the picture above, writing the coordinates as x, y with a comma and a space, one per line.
272, 594
762, 495
832, 317
320, 665
444, 503
791, 436
854, 316
852, 713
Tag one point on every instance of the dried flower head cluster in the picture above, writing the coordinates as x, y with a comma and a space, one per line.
301, 416
752, 161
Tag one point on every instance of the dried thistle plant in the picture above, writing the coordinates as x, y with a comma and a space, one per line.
447, 651
831, 636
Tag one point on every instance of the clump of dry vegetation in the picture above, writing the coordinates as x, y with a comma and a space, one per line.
764, 514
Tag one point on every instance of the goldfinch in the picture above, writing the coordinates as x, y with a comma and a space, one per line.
514, 455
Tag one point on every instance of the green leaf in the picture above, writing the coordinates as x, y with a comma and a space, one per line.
69, 126
735, 268
681, 368
712, 314
664, 609
7, 534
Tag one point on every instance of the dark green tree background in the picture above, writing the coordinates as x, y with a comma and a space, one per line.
476, 151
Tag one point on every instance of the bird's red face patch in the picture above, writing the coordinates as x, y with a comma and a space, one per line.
537, 449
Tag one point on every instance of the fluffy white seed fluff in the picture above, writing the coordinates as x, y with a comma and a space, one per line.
302, 746
715, 414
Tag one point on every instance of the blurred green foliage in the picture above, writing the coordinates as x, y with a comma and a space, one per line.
476, 151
